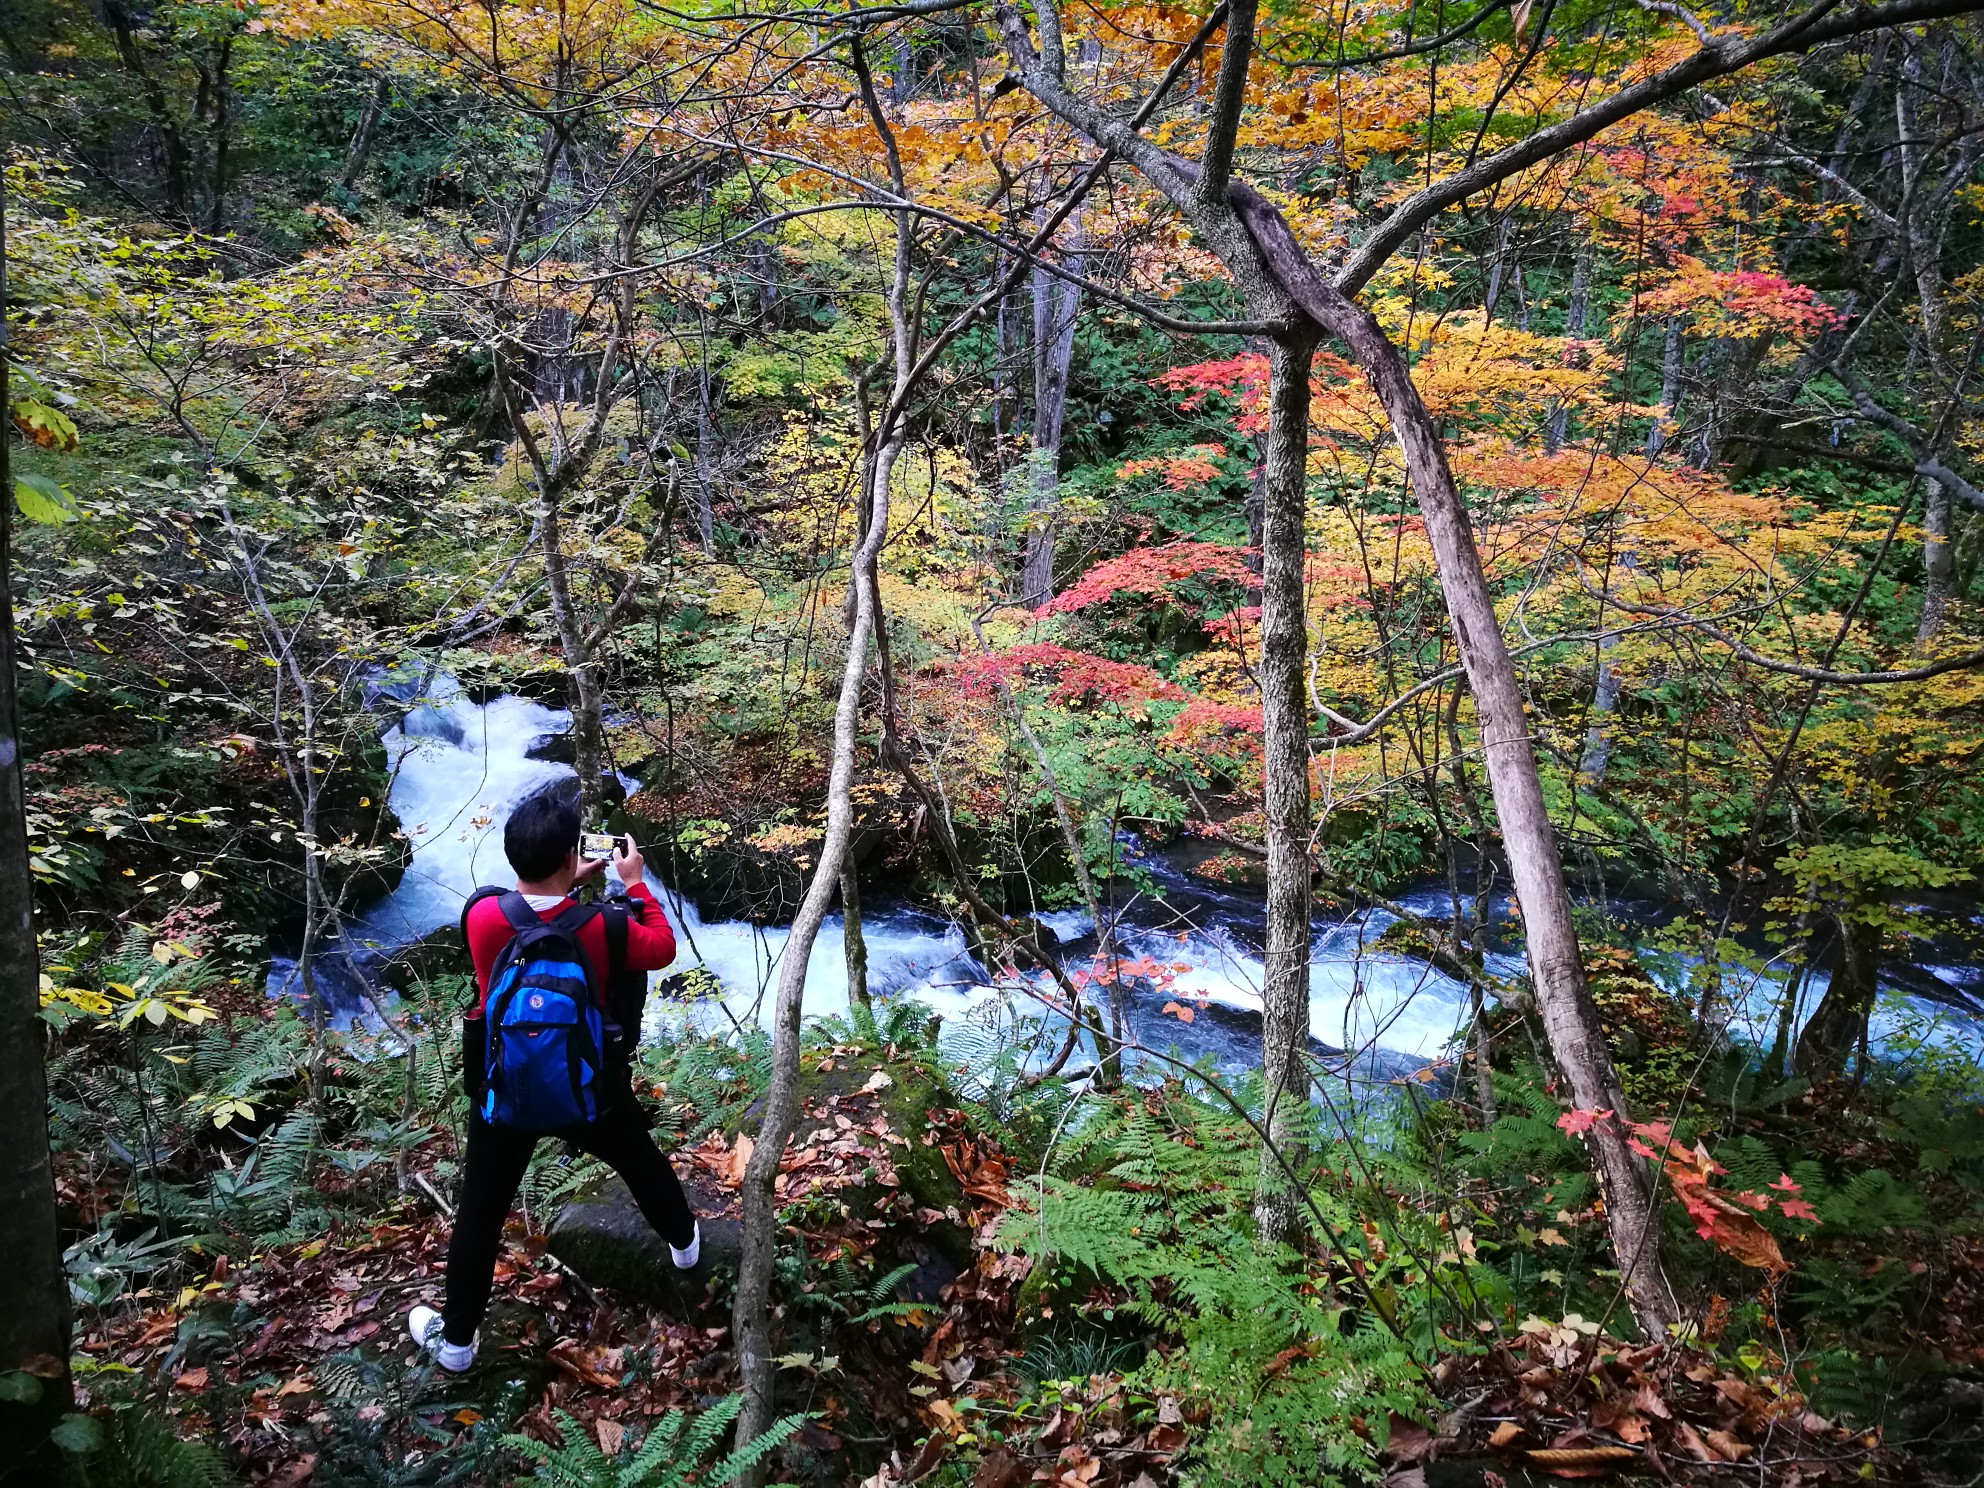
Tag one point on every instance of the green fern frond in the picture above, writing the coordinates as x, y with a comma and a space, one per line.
146, 1450
675, 1451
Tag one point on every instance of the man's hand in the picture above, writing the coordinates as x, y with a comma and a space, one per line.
588, 870
628, 862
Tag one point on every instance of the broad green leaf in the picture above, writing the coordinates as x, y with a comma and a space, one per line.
77, 1434
42, 500
19, 1388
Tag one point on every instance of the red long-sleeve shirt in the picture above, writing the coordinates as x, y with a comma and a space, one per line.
650, 941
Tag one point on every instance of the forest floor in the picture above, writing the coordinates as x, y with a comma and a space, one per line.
296, 1357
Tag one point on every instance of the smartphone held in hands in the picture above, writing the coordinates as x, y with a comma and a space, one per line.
598, 847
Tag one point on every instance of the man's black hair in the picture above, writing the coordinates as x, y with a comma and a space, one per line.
541, 833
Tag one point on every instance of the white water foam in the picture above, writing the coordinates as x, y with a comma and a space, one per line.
460, 767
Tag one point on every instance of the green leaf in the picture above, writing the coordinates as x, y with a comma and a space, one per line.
77, 1434
19, 1388
48, 427
42, 500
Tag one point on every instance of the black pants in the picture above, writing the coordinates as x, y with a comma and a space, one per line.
497, 1157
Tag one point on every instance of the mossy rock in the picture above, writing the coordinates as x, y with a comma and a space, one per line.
439, 953
839, 1082
603, 1236
606, 1240
1404, 938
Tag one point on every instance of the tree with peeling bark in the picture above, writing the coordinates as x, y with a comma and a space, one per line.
1056, 307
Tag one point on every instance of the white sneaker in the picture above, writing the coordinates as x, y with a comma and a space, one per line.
685, 1259
424, 1323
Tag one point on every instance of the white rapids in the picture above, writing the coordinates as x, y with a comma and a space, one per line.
461, 766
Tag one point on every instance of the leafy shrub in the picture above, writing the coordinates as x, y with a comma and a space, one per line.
1151, 1202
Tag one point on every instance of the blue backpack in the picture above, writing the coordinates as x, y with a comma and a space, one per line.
545, 1035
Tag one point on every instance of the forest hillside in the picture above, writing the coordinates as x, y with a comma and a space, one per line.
1303, 686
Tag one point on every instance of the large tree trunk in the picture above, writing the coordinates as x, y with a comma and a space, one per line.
705, 449
1670, 388
1285, 793
1255, 243
1056, 303
1938, 561
1575, 312
1922, 214
587, 712
223, 138
1556, 964
176, 157
34, 1325
853, 943
751, 1325
1838, 1025
1604, 700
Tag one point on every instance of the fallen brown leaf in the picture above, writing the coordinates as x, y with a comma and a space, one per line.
1691, 1439
736, 1161
1727, 1447
929, 1457
998, 1468
1551, 1457
601, 1369
1410, 1442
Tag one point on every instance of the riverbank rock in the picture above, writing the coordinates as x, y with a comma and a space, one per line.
865, 1172
870, 1145
606, 1240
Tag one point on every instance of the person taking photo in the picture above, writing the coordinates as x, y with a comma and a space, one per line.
547, 1050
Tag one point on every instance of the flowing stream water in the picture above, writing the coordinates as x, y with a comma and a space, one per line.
460, 766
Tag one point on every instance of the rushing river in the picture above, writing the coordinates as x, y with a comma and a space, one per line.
460, 766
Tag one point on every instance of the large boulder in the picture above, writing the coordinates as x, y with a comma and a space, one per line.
606, 1240
869, 1142
866, 1162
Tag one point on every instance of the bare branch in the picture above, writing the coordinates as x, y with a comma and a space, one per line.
1927, 462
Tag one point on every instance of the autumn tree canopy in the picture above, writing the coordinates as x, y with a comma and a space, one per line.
1379, 603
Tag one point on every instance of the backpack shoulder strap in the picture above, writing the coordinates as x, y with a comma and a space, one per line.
569, 922
485, 892
516, 909
615, 916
